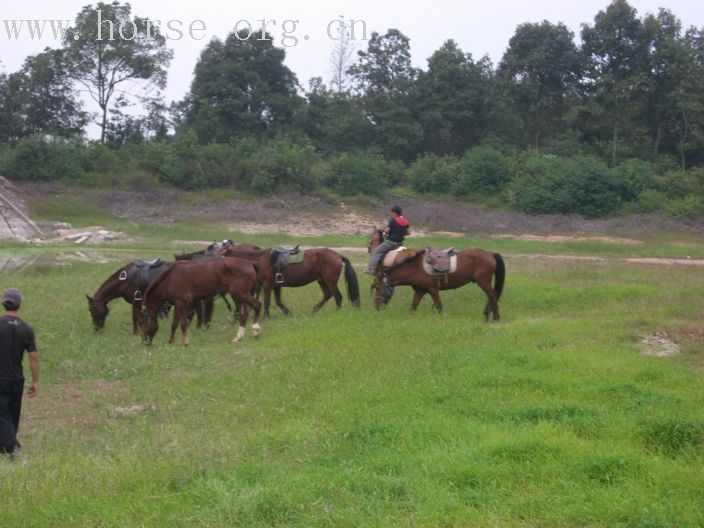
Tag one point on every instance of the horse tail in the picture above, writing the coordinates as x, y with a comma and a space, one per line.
352, 283
499, 276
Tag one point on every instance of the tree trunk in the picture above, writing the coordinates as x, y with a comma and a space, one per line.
683, 140
614, 144
103, 123
658, 140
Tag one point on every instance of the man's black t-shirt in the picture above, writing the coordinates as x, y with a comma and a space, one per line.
398, 227
16, 338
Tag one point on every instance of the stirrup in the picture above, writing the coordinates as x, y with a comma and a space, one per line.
137, 295
123, 275
279, 278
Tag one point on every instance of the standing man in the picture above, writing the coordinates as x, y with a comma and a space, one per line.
16, 338
395, 232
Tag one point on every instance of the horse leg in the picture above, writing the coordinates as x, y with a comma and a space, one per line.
185, 322
326, 296
136, 315
267, 300
279, 302
243, 322
174, 324
250, 300
436, 299
208, 308
332, 287
198, 311
492, 304
417, 297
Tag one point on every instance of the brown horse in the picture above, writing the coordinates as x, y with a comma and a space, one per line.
121, 284
473, 265
185, 284
320, 264
204, 310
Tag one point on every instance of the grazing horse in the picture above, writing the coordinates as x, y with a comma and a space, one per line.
473, 265
204, 311
185, 284
126, 284
321, 264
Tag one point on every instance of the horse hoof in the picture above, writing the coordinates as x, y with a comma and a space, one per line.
256, 329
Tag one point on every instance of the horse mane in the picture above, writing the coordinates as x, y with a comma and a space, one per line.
189, 256
106, 281
157, 282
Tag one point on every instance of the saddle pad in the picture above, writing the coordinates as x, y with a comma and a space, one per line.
430, 271
390, 257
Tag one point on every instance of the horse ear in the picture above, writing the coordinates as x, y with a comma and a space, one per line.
451, 250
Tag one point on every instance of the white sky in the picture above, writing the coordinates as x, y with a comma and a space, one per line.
479, 27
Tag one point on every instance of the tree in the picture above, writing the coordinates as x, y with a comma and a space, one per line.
615, 49
335, 121
39, 98
385, 78
241, 87
341, 57
453, 98
541, 67
107, 49
688, 98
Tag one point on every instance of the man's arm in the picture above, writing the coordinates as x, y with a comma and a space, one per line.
34, 367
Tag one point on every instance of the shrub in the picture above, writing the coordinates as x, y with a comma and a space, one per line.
548, 184
283, 163
43, 158
431, 173
635, 176
678, 184
96, 157
482, 169
357, 172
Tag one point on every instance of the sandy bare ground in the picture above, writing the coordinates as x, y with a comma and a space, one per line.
558, 239
659, 344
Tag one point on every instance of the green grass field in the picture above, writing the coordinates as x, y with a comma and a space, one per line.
552, 417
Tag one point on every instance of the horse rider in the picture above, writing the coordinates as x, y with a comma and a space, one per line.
396, 230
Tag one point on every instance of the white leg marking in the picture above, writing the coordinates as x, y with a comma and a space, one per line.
240, 334
256, 329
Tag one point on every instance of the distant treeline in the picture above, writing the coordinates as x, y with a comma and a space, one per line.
614, 122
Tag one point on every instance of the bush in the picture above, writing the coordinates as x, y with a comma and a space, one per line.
96, 157
482, 169
548, 184
283, 163
650, 201
433, 174
679, 184
635, 176
43, 158
357, 172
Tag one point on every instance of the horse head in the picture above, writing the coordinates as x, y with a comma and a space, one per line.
148, 327
377, 238
384, 291
98, 312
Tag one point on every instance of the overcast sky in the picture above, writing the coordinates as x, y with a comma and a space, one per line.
479, 27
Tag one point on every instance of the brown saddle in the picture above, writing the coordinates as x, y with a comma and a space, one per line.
439, 262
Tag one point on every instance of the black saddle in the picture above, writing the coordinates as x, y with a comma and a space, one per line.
141, 273
141, 263
279, 261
